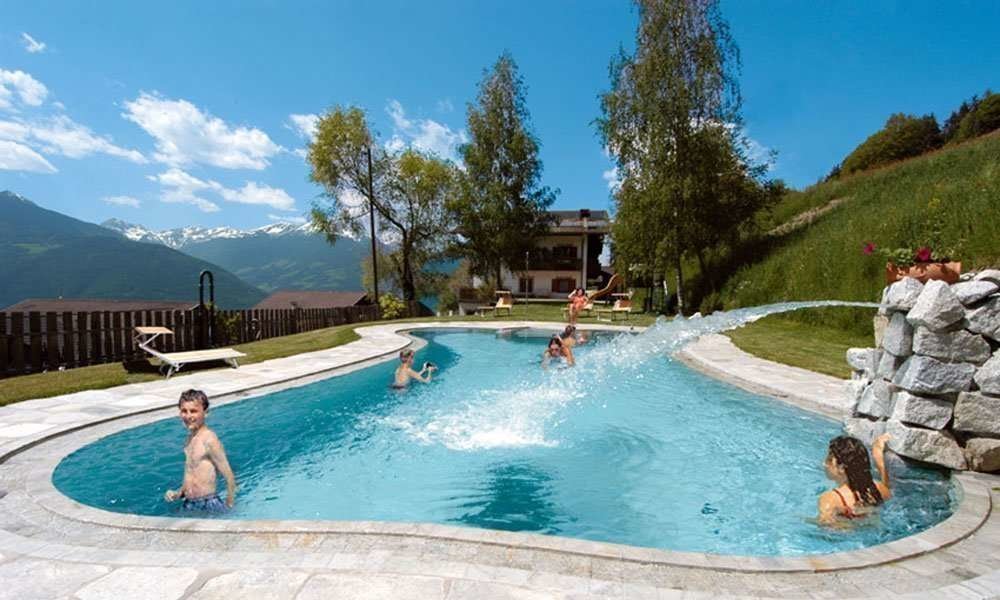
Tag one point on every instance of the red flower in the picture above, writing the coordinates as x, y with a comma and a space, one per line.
868, 248
924, 254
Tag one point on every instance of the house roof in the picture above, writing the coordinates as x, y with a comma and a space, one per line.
580, 221
95, 305
311, 299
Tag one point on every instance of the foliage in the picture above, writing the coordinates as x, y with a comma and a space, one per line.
500, 207
408, 192
671, 120
949, 130
392, 307
947, 198
903, 136
982, 118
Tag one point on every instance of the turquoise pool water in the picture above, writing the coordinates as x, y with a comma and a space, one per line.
629, 447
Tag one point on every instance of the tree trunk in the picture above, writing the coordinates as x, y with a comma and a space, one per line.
680, 286
499, 268
409, 289
705, 272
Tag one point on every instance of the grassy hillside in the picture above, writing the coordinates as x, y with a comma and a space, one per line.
946, 199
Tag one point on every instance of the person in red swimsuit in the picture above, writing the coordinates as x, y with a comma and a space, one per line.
856, 493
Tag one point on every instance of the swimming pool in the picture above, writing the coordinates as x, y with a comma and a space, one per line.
629, 447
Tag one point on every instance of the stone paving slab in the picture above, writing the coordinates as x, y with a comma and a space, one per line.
51, 547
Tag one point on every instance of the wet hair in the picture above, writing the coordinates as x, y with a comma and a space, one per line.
405, 353
555, 341
194, 396
570, 330
852, 455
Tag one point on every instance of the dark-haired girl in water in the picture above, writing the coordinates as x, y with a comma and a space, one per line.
856, 494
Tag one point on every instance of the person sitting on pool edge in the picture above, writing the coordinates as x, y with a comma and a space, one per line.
556, 350
405, 372
204, 460
856, 493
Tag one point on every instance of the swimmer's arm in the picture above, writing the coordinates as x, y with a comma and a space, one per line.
878, 454
568, 353
217, 454
545, 359
827, 506
419, 376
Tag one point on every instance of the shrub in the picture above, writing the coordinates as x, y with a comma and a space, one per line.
392, 307
902, 137
983, 118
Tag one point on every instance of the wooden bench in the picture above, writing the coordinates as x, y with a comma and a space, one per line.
174, 361
622, 309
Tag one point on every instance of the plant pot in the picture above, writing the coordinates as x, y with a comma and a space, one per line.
947, 272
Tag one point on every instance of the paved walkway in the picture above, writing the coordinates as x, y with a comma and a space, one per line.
52, 547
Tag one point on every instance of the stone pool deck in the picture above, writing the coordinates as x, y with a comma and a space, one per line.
52, 547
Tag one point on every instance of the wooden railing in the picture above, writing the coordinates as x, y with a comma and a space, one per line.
33, 342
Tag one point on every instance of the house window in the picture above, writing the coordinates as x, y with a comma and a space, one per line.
564, 252
563, 284
526, 285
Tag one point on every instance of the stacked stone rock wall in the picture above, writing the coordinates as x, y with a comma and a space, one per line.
933, 381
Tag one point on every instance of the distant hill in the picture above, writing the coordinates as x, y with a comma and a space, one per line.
947, 199
47, 254
278, 256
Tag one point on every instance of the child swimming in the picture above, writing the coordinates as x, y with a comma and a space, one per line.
856, 494
204, 460
556, 350
405, 372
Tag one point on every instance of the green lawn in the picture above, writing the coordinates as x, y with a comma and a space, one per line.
801, 344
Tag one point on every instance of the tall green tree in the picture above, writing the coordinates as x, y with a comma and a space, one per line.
408, 193
671, 121
501, 208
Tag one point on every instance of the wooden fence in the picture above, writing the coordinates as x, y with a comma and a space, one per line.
34, 342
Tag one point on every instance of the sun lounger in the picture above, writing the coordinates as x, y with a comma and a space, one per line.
505, 303
621, 309
173, 361
586, 311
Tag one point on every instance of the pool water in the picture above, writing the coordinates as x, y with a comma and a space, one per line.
627, 448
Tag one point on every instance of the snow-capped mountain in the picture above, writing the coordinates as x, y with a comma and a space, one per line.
185, 236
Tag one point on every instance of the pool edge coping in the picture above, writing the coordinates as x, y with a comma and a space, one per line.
974, 506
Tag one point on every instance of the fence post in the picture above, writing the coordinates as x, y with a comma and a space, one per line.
52, 341
68, 335
4, 345
35, 340
95, 338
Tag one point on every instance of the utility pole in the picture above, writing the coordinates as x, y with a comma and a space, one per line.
371, 216
526, 277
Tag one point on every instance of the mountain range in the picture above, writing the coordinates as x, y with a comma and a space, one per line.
45, 254
276, 256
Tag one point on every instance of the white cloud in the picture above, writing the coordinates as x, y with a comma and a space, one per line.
254, 193
304, 125
423, 134
185, 135
62, 135
31, 44
288, 219
445, 106
122, 201
18, 157
182, 187
611, 177
31, 91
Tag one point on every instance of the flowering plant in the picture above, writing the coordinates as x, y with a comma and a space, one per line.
904, 257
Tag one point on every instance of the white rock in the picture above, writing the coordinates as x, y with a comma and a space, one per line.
876, 400
988, 375
903, 294
928, 445
926, 375
883, 308
984, 319
951, 346
937, 307
857, 358
932, 413
983, 454
871, 367
864, 429
898, 337
854, 388
989, 275
879, 323
970, 292
977, 413
888, 365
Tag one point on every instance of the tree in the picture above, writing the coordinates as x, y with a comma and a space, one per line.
409, 190
500, 210
671, 121
903, 136
982, 118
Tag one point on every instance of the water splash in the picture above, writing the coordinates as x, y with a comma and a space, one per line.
524, 413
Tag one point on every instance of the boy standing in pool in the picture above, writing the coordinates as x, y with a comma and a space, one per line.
405, 372
204, 460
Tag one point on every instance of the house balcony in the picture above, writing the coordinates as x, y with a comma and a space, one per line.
556, 264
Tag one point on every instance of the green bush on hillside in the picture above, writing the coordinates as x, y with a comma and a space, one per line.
980, 120
903, 136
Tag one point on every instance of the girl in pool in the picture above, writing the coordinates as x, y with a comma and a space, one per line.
856, 494
556, 350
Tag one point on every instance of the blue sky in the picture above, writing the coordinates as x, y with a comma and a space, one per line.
190, 113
